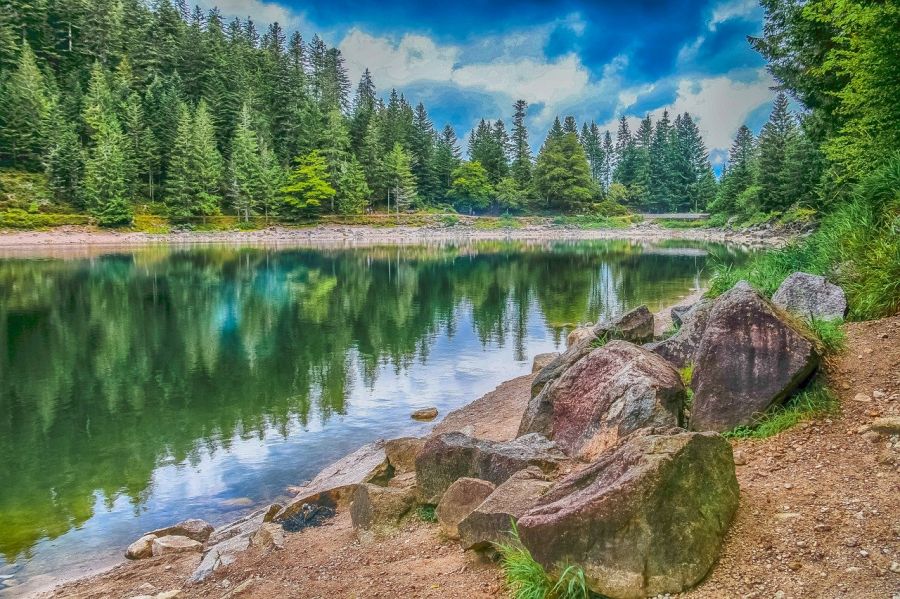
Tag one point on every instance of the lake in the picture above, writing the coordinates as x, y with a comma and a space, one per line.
142, 386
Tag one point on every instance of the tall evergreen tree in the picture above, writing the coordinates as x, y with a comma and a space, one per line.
775, 189
307, 187
400, 182
24, 108
446, 160
521, 151
104, 176
562, 175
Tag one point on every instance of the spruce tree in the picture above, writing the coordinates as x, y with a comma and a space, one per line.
660, 189
606, 170
446, 160
775, 189
422, 152
207, 163
104, 177
399, 180
24, 106
245, 168
561, 174
521, 160
307, 187
352, 192
64, 162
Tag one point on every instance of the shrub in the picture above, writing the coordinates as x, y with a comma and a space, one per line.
527, 579
17, 218
426, 513
449, 220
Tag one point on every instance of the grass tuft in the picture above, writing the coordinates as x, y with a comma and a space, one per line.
814, 401
527, 579
830, 333
426, 513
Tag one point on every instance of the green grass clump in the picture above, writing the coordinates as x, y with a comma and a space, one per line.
16, 218
426, 513
857, 246
449, 220
527, 579
830, 333
814, 401
600, 340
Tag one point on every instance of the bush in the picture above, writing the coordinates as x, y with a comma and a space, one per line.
449, 220
608, 208
527, 579
426, 513
20, 219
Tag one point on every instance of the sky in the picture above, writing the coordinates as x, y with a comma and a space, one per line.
595, 60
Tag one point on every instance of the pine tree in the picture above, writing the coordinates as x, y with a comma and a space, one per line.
422, 153
740, 175
570, 126
562, 175
606, 169
245, 168
660, 167
775, 189
195, 172
64, 162
24, 106
307, 186
352, 192
471, 188
400, 182
521, 151
446, 160
141, 152
207, 163
104, 177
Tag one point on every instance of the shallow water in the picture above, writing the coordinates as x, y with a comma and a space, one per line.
142, 386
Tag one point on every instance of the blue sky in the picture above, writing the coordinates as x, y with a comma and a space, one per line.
594, 60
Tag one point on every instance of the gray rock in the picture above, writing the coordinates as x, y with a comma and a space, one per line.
335, 485
401, 453
646, 518
810, 297
681, 348
447, 458
610, 393
677, 313
461, 498
221, 555
171, 544
749, 360
542, 360
635, 326
269, 536
196, 529
379, 509
245, 526
492, 520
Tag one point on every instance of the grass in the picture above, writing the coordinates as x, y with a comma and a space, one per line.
527, 579
830, 333
488, 223
857, 246
600, 340
687, 375
814, 401
591, 221
426, 513
16, 218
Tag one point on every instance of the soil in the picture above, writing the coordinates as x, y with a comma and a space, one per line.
819, 515
354, 236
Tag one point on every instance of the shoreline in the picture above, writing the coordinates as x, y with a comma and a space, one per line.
361, 236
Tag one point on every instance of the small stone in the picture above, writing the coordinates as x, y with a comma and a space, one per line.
795, 566
822, 528
141, 549
740, 458
895, 567
175, 544
871, 436
424, 414
863, 553
168, 594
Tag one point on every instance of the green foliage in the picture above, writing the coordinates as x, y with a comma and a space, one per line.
487, 223
307, 188
590, 221
24, 106
561, 174
400, 182
527, 579
814, 401
449, 220
16, 218
830, 333
426, 513
352, 190
471, 188
667, 223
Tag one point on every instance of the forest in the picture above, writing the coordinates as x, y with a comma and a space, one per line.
131, 108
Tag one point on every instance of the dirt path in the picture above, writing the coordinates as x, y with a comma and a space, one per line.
819, 516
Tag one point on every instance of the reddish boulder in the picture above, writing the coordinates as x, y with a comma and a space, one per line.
647, 518
613, 391
750, 359
461, 498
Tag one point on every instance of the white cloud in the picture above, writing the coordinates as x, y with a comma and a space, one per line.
393, 64
730, 10
259, 10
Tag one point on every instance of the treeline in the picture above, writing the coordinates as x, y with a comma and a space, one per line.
166, 109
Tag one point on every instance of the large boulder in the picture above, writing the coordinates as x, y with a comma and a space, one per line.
610, 393
490, 522
142, 548
680, 349
401, 453
378, 509
749, 359
810, 297
460, 499
447, 458
541, 360
647, 518
194, 528
560, 364
334, 486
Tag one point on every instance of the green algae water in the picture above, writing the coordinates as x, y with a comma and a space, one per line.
139, 387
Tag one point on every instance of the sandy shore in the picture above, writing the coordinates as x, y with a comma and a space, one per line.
352, 236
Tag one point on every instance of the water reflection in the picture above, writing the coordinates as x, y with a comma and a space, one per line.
133, 382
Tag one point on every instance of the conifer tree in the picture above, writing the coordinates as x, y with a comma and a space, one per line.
307, 186
606, 170
775, 190
399, 180
471, 188
64, 162
245, 168
352, 192
446, 160
104, 176
561, 175
422, 149
24, 106
521, 160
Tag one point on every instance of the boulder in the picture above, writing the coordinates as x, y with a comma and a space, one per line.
810, 296
246, 526
635, 326
272, 511
677, 313
171, 544
447, 458
647, 518
586, 333
460, 499
401, 453
334, 486
142, 548
541, 360
491, 521
610, 393
749, 359
269, 536
680, 349
887, 425
378, 509
196, 529
424, 414
221, 555
560, 364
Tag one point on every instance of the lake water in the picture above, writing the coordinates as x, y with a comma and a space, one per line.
139, 387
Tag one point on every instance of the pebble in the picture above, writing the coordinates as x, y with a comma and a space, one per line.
895, 567
795, 566
863, 553
862, 398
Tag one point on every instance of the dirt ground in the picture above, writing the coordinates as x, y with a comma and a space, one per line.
819, 517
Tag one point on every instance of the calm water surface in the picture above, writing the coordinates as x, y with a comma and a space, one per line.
143, 386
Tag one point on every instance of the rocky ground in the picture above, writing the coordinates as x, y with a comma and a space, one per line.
351, 236
819, 515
